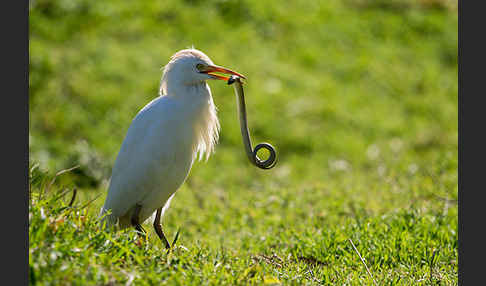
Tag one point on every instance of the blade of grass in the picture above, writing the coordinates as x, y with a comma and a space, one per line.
46, 190
362, 260
90, 201
73, 197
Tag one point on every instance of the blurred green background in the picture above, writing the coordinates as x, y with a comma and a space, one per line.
328, 80
358, 97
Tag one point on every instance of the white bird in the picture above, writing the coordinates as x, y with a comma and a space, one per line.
163, 141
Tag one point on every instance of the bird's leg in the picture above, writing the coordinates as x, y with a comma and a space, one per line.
135, 221
158, 228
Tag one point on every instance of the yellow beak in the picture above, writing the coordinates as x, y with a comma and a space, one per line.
211, 69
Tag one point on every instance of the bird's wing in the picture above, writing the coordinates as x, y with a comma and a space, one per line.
143, 156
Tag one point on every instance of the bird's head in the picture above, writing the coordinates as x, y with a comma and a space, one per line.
192, 67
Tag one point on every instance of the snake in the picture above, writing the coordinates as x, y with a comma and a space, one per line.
251, 153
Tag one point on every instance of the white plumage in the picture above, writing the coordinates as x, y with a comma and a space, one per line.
164, 139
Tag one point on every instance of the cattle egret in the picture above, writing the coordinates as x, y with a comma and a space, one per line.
163, 141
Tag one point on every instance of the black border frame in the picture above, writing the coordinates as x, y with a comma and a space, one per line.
15, 140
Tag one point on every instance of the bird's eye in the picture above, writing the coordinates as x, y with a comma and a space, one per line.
200, 67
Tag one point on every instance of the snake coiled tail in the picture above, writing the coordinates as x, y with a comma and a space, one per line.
245, 134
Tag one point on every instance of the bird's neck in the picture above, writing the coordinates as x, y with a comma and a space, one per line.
200, 113
180, 89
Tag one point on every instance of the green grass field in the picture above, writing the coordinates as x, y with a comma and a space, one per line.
359, 98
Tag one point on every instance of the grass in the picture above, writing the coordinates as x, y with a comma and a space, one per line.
358, 97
